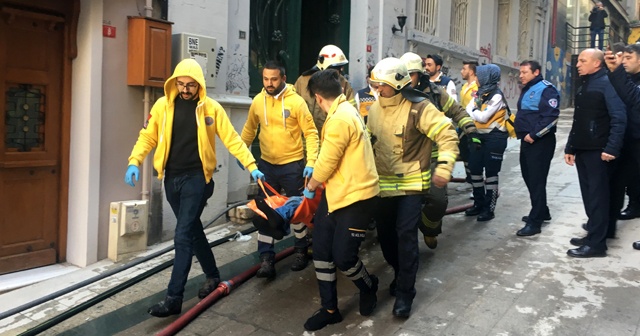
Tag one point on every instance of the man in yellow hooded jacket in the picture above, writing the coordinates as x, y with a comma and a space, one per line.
346, 165
283, 118
405, 126
182, 127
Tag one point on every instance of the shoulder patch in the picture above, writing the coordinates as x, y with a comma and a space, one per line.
553, 102
146, 122
208, 120
546, 82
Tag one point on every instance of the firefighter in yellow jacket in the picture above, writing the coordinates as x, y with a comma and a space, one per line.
436, 200
346, 165
404, 127
283, 118
182, 127
330, 57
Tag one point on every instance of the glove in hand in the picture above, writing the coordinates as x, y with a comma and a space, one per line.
308, 194
257, 175
132, 171
308, 172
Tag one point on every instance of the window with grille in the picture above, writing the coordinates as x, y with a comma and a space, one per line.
503, 27
426, 14
523, 31
458, 32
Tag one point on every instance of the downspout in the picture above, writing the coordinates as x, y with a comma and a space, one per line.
380, 30
146, 166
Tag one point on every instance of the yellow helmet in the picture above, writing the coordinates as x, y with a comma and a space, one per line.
413, 62
331, 55
391, 71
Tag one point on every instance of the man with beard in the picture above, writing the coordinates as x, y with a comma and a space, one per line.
182, 126
283, 118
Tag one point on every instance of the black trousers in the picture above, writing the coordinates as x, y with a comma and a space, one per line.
631, 172
594, 177
336, 242
624, 173
535, 160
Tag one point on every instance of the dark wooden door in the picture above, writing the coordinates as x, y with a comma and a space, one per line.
32, 45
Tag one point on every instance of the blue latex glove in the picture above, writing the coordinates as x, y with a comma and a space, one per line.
240, 164
308, 172
132, 171
309, 194
257, 175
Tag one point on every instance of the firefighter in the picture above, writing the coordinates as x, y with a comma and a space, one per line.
330, 57
404, 126
436, 200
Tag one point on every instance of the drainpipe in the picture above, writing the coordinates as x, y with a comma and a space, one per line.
146, 166
380, 30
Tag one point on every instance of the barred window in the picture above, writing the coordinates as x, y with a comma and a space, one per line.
458, 32
426, 14
523, 31
503, 27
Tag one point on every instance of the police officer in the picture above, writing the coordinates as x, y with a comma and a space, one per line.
330, 57
436, 200
405, 126
536, 127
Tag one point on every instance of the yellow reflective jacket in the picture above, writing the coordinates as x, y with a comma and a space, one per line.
346, 161
404, 134
283, 119
211, 118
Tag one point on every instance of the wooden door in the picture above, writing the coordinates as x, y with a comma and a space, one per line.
32, 52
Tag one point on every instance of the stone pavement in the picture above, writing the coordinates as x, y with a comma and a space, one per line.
481, 280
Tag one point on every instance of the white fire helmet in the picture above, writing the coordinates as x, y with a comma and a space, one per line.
391, 71
413, 62
331, 55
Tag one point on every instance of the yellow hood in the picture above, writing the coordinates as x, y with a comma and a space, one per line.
190, 68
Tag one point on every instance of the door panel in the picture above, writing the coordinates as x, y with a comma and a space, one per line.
31, 56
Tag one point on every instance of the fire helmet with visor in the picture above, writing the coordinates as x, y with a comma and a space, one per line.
331, 56
391, 71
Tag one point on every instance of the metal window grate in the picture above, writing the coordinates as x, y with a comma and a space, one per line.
502, 43
426, 16
24, 118
458, 32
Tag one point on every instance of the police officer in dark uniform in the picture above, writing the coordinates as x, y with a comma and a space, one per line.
536, 127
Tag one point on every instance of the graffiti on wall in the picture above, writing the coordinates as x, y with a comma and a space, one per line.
219, 58
485, 54
238, 74
558, 72
510, 86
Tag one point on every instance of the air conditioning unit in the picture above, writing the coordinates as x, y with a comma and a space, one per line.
128, 222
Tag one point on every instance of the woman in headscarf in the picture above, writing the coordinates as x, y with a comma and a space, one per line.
489, 111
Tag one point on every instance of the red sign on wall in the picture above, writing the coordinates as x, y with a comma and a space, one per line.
368, 48
108, 31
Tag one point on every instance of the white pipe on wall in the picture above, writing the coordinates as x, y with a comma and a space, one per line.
148, 8
146, 175
380, 29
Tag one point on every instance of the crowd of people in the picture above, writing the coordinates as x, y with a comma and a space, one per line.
385, 155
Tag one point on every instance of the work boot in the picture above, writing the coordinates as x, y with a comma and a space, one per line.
485, 216
301, 259
402, 307
369, 299
167, 307
209, 285
473, 211
528, 230
267, 266
432, 242
321, 318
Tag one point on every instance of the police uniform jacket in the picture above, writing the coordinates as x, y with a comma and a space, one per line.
537, 109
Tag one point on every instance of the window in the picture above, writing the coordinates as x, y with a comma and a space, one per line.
503, 27
426, 14
523, 31
458, 33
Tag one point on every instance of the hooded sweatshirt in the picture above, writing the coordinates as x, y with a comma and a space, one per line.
211, 120
283, 119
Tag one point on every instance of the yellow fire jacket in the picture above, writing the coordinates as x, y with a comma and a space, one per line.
211, 118
318, 114
283, 119
404, 134
346, 161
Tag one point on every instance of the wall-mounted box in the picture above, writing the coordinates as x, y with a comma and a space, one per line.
149, 51
200, 48
128, 226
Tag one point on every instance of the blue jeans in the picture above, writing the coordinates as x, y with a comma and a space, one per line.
187, 194
600, 33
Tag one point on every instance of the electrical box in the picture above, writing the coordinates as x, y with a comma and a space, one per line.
127, 228
198, 47
149, 51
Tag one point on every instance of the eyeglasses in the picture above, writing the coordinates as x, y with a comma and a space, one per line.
189, 86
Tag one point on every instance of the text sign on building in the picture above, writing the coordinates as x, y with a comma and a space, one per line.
194, 43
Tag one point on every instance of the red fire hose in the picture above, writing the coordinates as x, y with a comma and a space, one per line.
223, 289
458, 179
459, 208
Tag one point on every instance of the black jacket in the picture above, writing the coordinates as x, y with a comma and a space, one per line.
597, 18
626, 87
599, 118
